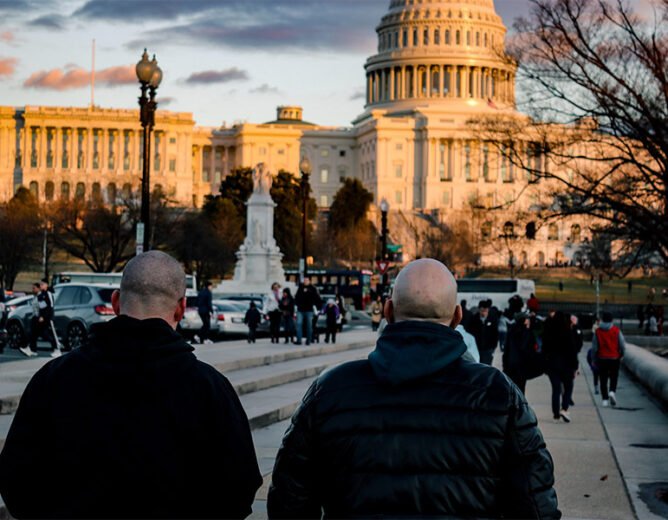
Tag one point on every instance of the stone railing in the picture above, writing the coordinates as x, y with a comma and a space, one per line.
650, 369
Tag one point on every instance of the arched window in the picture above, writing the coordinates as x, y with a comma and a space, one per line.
486, 230
447, 36
435, 81
468, 38
509, 229
477, 39
576, 231
524, 258
425, 37
530, 231
65, 191
458, 38
415, 37
423, 81
541, 259
553, 232
49, 190
437, 37
34, 189
80, 191
485, 39
111, 193
127, 191
96, 193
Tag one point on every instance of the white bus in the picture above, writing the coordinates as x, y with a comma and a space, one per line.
499, 290
105, 278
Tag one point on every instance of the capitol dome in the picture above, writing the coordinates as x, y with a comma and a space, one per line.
448, 52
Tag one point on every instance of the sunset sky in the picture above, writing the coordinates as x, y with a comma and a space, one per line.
223, 60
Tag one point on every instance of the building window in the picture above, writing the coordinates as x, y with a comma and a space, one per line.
485, 162
342, 153
206, 164
576, 232
467, 163
126, 150
553, 232
447, 36
468, 38
446, 198
49, 190
343, 173
157, 166
471, 83
442, 170
80, 191
398, 197
96, 193
324, 175
458, 83
437, 37
172, 165
96, 152
458, 38
263, 150
486, 230
404, 38
111, 193
172, 140
280, 151
477, 39
425, 37
65, 191
398, 171
127, 191
324, 152
485, 39
530, 231
65, 157
324, 201
415, 37
33, 152
34, 189
49, 147
80, 151
111, 160
435, 81
509, 229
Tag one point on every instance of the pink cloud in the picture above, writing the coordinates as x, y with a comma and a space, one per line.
7, 36
7, 66
74, 77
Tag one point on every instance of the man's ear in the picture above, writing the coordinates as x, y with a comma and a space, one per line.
180, 310
116, 302
456, 317
388, 311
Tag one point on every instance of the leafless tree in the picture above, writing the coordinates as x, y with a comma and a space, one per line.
594, 84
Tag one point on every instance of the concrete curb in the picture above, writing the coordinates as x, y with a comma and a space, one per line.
650, 369
252, 362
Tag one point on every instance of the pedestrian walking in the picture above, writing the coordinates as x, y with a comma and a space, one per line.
31, 348
43, 325
533, 305
485, 329
640, 313
331, 313
253, 319
271, 306
306, 299
519, 355
136, 425
287, 307
505, 320
608, 345
376, 313
415, 430
561, 362
591, 361
205, 311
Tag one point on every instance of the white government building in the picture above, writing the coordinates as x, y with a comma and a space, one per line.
439, 64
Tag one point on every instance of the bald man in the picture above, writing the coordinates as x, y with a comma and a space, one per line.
417, 429
131, 425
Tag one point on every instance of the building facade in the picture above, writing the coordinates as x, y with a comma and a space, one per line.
439, 64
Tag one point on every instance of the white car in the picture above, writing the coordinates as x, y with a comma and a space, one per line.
230, 317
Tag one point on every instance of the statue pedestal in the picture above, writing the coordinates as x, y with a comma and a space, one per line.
259, 257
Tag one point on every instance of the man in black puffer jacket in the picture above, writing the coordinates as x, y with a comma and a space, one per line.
132, 425
415, 430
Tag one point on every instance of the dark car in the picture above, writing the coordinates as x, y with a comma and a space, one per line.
77, 307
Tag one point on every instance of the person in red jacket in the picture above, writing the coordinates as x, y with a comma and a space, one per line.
608, 346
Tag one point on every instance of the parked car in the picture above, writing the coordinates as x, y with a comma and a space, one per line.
191, 323
244, 304
77, 308
230, 316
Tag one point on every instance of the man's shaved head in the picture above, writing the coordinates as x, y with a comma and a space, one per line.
425, 290
152, 286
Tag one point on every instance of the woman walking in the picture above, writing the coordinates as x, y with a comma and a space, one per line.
287, 307
561, 362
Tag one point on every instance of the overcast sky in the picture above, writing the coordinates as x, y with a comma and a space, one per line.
223, 60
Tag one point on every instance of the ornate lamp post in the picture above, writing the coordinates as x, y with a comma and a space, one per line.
384, 208
149, 76
305, 169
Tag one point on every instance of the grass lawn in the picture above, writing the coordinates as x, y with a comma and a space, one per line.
577, 286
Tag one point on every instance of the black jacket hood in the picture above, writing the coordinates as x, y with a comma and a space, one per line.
410, 350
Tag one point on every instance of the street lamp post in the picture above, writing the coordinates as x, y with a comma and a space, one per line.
305, 169
384, 208
149, 76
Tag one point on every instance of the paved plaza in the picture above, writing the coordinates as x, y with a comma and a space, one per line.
609, 462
